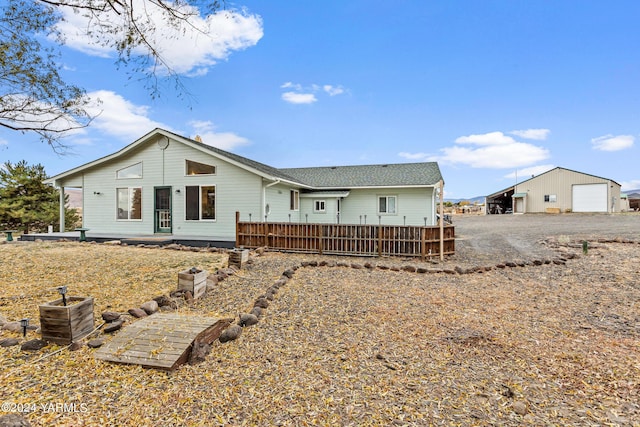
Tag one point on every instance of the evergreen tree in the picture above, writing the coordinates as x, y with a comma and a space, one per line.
26, 202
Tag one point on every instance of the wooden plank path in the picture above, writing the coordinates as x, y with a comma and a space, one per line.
162, 341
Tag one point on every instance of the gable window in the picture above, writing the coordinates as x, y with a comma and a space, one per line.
294, 200
551, 198
319, 206
387, 204
196, 168
133, 171
129, 203
200, 202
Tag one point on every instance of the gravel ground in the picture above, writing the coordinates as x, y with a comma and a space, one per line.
487, 238
542, 334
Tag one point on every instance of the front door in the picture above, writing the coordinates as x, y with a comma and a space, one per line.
162, 210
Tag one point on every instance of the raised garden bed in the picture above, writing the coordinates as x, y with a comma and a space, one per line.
193, 280
65, 324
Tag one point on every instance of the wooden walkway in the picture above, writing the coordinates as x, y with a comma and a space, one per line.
161, 341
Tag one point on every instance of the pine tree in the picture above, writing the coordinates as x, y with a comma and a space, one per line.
26, 202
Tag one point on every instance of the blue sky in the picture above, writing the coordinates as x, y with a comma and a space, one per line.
486, 88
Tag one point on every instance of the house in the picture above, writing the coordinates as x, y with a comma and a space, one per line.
166, 184
557, 191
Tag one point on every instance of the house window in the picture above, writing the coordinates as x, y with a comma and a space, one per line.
294, 200
319, 206
195, 168
129, 203
387, 204
200, 202
133, 171
551, 198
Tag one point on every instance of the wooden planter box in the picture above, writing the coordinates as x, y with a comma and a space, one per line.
196, 283
66, 324
238, 257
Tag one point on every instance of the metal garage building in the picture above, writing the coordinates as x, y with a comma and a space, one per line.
557, 191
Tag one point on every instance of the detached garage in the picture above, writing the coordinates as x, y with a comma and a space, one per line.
559, 190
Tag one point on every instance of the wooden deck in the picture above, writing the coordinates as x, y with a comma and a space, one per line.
161, 341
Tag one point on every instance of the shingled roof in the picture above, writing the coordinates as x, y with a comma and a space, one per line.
314, 178
387, 175
333, 177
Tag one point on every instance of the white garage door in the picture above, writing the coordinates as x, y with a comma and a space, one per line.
590, 198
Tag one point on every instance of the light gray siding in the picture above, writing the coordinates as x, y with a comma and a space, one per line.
413, 205
236, 190
278, 199
244, 186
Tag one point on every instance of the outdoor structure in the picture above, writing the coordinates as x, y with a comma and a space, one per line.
559, 190
634, 200
164, 184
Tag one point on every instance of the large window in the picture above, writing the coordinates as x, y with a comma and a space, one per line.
133, 171
387, 204
196, 168
201, 203
294, 200
129, 203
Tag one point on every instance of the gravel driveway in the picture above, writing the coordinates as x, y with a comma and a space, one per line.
496, 238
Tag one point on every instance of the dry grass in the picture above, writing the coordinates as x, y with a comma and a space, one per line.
545, 345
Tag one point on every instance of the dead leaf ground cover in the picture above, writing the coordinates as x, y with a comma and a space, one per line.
535, 345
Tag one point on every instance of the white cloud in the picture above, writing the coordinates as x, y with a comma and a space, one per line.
290, 85
634, 184
612, 143
300, 94
537, 134
333, 90
299, 98
191, 49
4, 141
493, 150
223, 140
119, 117
527, 173
491, 138
21, 113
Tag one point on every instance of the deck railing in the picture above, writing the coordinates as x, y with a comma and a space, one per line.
347, 239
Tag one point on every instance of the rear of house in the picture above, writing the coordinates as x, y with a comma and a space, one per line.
165, 184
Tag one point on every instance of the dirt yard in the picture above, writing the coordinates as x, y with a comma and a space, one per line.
520, 327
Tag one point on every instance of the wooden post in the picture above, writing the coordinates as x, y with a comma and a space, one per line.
380, 240
237, 229
441, 221
319, 236
423, 243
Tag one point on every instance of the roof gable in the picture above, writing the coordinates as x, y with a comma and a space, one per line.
314, 178
558, 168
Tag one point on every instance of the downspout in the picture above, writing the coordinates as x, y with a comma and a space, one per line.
264, 196
62, 218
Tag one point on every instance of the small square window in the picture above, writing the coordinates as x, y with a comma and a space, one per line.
551, 198
319, 206
387, 204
